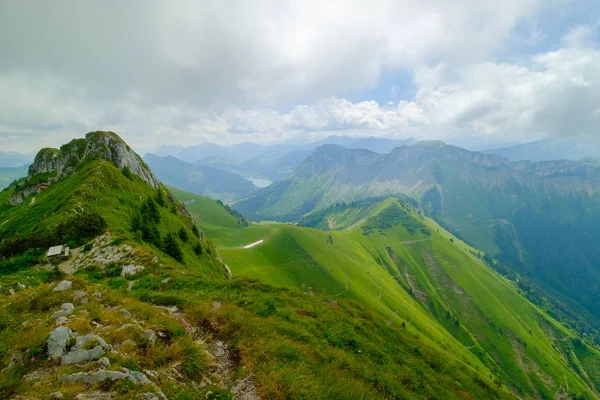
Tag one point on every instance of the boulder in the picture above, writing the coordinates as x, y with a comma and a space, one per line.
80, 355
150, 336
103, 363
64, 285
65, 310
57, 341
131, 269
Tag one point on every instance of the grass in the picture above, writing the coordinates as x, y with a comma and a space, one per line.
399, 313
438, 287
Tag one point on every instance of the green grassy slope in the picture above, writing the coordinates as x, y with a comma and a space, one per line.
436, 286
289, 344
96, 187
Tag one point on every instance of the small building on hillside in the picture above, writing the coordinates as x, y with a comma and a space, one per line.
42, 187
56, 252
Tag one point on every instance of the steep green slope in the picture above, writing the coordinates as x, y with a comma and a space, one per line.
171, 322
204, 180
412, 271
540, 219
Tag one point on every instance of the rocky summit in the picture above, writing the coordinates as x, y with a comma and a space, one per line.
53, 164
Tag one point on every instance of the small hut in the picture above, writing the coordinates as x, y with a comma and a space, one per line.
42, 187
56, 252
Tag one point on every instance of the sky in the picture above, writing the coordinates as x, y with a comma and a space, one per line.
473, 72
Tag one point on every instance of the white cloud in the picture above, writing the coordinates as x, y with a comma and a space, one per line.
223, 70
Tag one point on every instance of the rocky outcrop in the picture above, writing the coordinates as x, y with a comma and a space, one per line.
52, 164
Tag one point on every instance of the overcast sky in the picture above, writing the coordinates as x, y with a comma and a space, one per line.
181, 72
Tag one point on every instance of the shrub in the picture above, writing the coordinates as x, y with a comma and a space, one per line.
127, 173
171, 247
183, 235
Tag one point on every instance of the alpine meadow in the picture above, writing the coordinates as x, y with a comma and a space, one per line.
283, 199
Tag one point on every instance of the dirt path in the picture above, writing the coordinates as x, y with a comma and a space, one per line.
248, 246
67, 266
414, 241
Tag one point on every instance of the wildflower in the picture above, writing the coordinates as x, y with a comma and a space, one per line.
27, 351
32, 359
187, 326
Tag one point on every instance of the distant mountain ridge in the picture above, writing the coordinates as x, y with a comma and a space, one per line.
539, 217
549, 149
204, 180
273, 162
12, 159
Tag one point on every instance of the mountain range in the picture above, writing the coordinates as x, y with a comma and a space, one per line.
13, 159
200, 179
540, 218
273, 162
550, 149
110, 287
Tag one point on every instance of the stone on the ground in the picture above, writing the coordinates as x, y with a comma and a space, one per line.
150, 336
56, 395
95, 395
97, 295
80, 355
104, 363
65, 310
61, 321
125, 313
78, 294
147, 396
131, 269
57, 341
94, 378
64, 285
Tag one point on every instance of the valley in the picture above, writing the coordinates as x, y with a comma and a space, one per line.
168, 294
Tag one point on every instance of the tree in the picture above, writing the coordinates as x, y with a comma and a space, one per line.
171, 247
127, 173
195, 231
183, 235
160, 197
198, 249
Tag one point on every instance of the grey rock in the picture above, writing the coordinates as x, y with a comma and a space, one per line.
148, 396
78, 294
64, 285
150, 336
61, 321
65, 310
131, 269
85, 300
56, 395
97, 295
137, 377
93, 378
12, 292
125, 313
106, 146
95, 395
57, 341
80, 355
104, 363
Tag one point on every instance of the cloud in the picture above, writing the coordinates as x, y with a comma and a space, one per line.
263, 71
